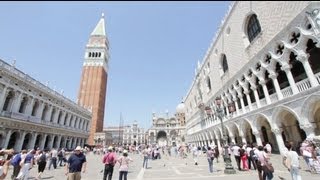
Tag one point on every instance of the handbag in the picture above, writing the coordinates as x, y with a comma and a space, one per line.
269, 167
306, 153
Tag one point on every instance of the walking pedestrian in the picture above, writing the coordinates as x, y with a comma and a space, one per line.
216, 153
16, 163
76, 163
27, 165
196, 152
54, 156
210, 158
41, 161
109, 160
263, 158
124, 161
235, 150
292, 163
146, 155
5, 160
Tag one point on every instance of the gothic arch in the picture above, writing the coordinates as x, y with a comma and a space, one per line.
290, 125
278, 114
224, 63
310, 106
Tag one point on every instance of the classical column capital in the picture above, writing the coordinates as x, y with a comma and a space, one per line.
286, 67
253, 87
276, 131
255, 133
307, 127
273, 75
262, 82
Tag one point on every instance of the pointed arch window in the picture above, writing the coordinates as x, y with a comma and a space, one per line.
209, 83
224, 63
253, 28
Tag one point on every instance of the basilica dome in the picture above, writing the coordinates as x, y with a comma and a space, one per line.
181, 108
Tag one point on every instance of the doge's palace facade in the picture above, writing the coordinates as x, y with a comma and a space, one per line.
264, 64
33, 115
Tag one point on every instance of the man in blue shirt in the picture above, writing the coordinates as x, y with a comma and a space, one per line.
76, 162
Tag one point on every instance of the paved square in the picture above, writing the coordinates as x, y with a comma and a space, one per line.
170, 168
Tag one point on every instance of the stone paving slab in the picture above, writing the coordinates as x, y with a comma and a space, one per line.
170, 168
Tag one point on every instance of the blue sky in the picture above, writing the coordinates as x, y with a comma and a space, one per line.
154, 49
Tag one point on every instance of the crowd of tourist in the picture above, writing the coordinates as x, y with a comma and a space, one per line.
246, 156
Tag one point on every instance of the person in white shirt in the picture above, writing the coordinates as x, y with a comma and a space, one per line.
236, 153
292, 163
195, 152
268, 148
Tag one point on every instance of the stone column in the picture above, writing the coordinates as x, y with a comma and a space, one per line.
227, 109
304, 60
56, 116
74, 140
8, 135
242, 103
31, 144
48, 115
237, 106
243, 138
29, 106
280, 142
68, 120
232, 139
43, 140
3, 96
286, 68
258, 137
276, 85
50, 144
309, 129
219, 144
213, 143
65, 142
19, 142
256, 96
248, 99
265, 91
64, 113
17, 101
40, 110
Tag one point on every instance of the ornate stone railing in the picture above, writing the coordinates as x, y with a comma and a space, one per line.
303, 85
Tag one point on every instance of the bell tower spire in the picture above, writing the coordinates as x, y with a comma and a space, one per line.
93, 84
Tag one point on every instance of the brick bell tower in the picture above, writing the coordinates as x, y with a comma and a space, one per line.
93, 83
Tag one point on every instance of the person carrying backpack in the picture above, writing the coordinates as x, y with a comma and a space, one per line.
252, 157
16, 163
42, 162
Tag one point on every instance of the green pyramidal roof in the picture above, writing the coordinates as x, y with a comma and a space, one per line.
99, 30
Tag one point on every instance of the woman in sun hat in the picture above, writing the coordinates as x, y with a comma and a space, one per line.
124, 161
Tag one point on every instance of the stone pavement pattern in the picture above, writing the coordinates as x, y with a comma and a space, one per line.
170, 168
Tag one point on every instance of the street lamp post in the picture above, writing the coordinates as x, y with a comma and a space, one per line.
228, 166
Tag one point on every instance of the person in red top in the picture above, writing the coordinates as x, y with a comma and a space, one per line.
109, 160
